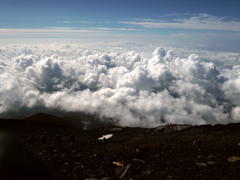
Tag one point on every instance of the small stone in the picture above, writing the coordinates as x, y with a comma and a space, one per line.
119, 164
79, 155
65, 171
91, 175
77, 163
210, 156
106, 178
147, 172
94, 155
211, 162
233, 159
139, 160
125, 171
54, 150
169, 177
118, 170
201, 164
76, 171
90, 179
62, 155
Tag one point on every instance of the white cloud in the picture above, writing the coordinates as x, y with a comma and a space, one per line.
122, 85
115, 29
60, 30
82, 22
236, 114
199, 22
48, 30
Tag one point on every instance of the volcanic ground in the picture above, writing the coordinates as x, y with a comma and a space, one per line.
166, 152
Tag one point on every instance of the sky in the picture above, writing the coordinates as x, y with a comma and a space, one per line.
142, 62
209, 24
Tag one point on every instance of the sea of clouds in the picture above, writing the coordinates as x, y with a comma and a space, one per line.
129, 88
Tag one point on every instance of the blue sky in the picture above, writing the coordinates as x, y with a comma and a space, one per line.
186, 19
45, 13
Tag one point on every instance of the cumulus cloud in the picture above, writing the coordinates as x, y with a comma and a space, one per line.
119, 85
236, 114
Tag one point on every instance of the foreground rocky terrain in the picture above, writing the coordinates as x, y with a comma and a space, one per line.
167, 152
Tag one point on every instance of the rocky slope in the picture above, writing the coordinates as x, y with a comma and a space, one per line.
167, 152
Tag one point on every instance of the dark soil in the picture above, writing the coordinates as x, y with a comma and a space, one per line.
198, 152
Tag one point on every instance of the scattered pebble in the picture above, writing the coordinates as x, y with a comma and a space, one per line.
233, 159
210, 156
118, 164
169, 177
106, 178
76, 171
119, 170
211, 162
125, 171
147, 172
201, 164
106, 136
139, 160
